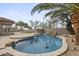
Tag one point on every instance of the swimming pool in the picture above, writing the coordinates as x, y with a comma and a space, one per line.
38, 44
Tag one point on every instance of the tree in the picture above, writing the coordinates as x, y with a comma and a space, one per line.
43, 24
34, 24
22, 24
68, 10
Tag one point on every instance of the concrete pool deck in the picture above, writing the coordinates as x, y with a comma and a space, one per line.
9, 38
6, 39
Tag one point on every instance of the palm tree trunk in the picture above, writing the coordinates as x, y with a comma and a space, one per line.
75, 23
69, 27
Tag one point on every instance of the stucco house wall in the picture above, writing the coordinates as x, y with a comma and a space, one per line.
5, 26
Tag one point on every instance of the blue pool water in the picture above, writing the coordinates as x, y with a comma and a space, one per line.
39, 44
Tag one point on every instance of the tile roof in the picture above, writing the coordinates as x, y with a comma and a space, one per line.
6, 20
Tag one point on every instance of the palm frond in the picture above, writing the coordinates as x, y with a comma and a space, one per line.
58, 13
47, 6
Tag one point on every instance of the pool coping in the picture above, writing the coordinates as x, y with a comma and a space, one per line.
53, 53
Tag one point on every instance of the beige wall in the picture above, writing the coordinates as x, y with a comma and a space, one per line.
60, 31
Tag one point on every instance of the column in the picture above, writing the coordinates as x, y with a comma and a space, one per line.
6, 28
1, 29
10, 29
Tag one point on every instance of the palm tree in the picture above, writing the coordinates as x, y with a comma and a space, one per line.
34, 24
63, 17
65, 12
58, 13
43, 24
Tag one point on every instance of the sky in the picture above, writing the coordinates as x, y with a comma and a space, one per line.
20, 12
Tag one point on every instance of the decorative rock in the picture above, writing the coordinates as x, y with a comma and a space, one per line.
53, 33
72, 40
9, 44
74, 48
